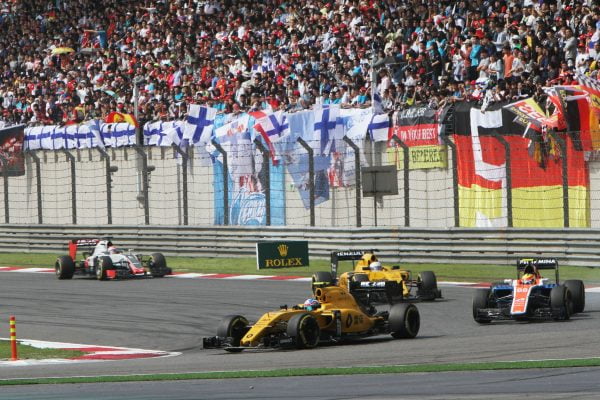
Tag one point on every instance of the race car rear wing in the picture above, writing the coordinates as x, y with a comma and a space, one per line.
539, 263
81, 244
346, 255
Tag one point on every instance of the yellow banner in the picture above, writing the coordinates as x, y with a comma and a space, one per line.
420, 157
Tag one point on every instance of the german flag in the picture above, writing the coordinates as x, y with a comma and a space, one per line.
537, 197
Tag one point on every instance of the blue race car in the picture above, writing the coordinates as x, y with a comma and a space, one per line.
530, 296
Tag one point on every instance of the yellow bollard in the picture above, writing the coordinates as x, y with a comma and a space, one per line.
13, 338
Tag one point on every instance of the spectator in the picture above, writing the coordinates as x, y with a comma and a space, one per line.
270, 54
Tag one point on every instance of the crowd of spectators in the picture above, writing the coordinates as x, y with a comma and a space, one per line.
244, 55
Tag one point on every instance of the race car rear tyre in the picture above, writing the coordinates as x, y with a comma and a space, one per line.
305, 331
481, 299
428, 289
360, 278
321, 279
234, 327
104, 264
561, 303
404, 321
158, 265
64, 267
577, 290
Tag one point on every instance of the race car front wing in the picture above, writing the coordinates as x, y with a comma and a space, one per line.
540, 313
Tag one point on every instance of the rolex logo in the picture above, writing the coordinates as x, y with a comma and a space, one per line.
283, 250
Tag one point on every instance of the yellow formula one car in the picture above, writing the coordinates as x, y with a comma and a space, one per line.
372, 282
331, 316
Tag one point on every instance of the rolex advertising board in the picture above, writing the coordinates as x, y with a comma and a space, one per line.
281, 254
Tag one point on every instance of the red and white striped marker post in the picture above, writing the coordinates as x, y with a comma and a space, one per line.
13, 338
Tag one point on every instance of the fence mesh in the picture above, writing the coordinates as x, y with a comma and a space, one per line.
169, 188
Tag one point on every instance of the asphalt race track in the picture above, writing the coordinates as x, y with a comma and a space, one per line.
174, 314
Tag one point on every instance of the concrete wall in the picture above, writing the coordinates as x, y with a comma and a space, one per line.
431, 194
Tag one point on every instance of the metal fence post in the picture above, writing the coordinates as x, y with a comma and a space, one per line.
311, 178
452, 146
145, 184
357, 175
184, 175
4, 162
507, 168
109, 170
71, 158
266, 161
405, 167
565, 176
225, 181
38, 183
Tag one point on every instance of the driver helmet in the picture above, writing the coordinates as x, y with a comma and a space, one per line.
529, 273
528, 278
375, 266
311, 304
113, 250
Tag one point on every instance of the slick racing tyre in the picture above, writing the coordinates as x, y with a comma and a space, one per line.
577, 294
64, 267
305, 331
404, 321
158, 265
481, 301
427, 286
104, 264
234, 327
561, 303
321, 279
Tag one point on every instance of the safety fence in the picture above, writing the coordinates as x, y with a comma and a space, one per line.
165, 186
455, 245
484, 170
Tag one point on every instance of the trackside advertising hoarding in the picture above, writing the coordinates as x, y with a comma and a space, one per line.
281, 254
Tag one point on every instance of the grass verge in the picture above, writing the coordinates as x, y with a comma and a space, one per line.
247, 265
392, 369
30, 352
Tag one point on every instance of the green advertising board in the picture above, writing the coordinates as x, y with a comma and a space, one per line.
281, 254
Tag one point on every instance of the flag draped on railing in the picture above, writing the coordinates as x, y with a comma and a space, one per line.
272, 128
198, 126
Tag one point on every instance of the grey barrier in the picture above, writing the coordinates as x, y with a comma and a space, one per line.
453, 245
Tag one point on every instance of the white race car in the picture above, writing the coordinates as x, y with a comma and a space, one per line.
108, 262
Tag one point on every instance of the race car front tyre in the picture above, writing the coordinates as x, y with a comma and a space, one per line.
158, 265
321, 279
64, 267
428, 289
577, 290
404, 321
561, 303
480, 301
104, 264
234, 327
305, 331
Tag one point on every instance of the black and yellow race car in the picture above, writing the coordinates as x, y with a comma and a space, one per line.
332, 316
372, 282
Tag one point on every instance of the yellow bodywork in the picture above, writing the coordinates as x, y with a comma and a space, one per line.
333, 299
386, 274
